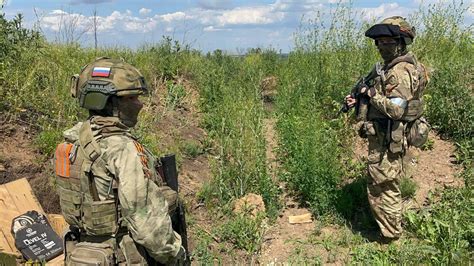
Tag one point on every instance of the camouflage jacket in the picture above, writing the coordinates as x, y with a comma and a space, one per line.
144, 210
398, 81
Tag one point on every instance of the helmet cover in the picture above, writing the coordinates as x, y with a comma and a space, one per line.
103, 78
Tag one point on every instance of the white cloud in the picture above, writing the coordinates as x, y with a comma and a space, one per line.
212, 29
385, 10
59, 20
170, 17
144, 11
58, 12
251, 15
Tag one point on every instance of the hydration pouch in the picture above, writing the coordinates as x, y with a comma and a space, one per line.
87, 253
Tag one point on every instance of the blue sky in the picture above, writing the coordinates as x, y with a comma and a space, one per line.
230, 25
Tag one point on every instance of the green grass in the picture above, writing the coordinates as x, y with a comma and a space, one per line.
244, 232
408, 187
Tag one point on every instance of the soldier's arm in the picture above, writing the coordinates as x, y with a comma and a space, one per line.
144, 208
398, 91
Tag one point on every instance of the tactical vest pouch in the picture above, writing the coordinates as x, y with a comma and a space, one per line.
417, 132
67, 165
87, 253
413, 111
100, 217
396, 143
70, 200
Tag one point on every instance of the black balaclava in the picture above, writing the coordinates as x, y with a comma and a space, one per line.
392, 51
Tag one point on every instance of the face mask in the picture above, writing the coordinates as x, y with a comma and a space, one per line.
388, 52
129, 108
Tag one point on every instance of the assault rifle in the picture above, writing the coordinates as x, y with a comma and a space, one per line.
362, 101
178, 219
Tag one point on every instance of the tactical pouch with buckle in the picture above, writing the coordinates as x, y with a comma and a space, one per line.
87, 253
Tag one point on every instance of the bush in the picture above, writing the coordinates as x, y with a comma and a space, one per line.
244, 232
408, 187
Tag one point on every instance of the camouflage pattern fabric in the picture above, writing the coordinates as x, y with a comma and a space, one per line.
144, 209
387, 146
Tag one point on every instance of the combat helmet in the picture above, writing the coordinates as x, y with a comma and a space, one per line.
395, 27
103, 78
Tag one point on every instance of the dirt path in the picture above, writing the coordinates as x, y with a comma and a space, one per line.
281, 236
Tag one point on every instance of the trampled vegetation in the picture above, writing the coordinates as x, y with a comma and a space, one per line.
314, 142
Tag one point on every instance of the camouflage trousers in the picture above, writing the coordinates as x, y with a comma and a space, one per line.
383, 187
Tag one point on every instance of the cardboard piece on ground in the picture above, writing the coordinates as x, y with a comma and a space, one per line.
16, 198
300, 219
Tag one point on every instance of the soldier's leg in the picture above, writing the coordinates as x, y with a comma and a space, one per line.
383, 188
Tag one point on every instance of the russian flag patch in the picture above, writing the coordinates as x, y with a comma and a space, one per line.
101, 72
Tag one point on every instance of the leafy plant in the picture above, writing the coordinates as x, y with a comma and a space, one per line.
408, 187
175, 95
244, 231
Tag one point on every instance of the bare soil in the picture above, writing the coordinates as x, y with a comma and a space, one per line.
20, 159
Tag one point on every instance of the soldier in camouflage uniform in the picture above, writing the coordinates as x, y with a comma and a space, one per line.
110, 192
395, 94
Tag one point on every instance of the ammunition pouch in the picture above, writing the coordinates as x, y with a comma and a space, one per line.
131, 251
171, 198
70, 199
100, 217
366, 129
397, 140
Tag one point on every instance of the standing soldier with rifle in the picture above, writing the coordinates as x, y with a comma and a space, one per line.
120, 210
389, 104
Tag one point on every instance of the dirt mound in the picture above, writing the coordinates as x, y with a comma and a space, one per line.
19, 158
249, 204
